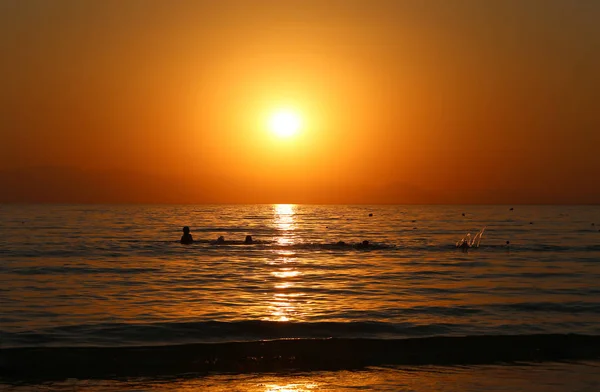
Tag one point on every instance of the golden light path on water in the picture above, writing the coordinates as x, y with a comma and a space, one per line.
285, 222
292, 387
283, 305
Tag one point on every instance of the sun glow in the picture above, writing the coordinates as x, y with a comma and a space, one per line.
284, 123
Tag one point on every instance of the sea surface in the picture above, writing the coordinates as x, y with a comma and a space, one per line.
105, 297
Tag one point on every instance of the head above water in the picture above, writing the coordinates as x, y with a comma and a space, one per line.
248, 239
186, 229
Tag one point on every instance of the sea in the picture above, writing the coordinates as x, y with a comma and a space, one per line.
324, 298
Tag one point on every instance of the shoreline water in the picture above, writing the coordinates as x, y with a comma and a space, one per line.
280, 355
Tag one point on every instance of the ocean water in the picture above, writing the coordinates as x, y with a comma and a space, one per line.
106, 298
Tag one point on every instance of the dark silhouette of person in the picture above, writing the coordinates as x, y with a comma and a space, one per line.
364, 244
248, 239
220, 240
186, 238
464, 246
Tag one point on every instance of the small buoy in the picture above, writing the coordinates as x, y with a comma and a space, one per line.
507, 243
531, 223
511, 209
370, 214
463, 214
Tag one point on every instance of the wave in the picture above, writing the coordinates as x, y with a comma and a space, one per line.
53, 363
77, 270
119, 334
127, 248
382, 246
376, 245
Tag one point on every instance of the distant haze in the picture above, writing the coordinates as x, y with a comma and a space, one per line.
401, 101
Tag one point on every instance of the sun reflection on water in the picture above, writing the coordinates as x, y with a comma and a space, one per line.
283, 305
285, 273
290, 387
281, 308
285, 223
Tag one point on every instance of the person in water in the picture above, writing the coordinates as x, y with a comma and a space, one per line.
364, 244
186, 238
220, 240
248, 239
464, 246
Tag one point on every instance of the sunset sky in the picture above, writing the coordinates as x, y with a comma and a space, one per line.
395, 101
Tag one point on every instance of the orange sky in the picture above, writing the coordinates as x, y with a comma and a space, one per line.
401, 101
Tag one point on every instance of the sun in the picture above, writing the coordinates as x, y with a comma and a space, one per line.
284, 123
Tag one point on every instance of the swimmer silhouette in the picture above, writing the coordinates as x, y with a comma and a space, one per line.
464, 246
364, 244
248, 239
186, 238
220, 240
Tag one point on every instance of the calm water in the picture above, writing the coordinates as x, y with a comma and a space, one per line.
81, 282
